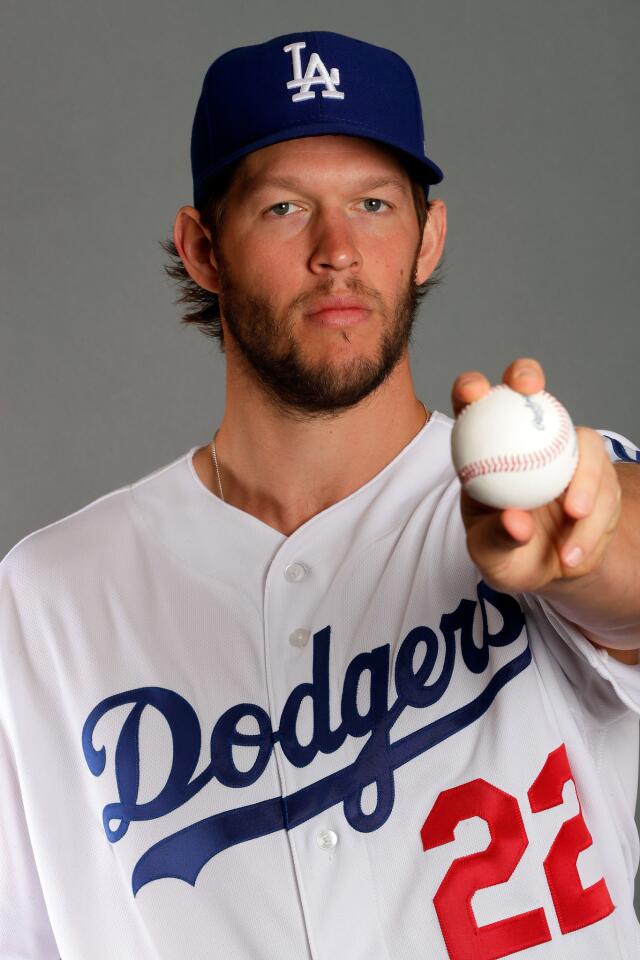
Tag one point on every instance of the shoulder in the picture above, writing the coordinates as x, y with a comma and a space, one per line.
67, 542
76, 547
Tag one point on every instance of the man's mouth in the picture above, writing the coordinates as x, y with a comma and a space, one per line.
337, 311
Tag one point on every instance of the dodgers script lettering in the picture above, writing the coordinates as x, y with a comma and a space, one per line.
183, 854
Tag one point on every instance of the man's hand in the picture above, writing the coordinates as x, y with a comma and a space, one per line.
527, 550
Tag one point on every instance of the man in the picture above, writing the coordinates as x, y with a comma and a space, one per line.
290, 695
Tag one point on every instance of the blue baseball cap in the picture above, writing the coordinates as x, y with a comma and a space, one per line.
306, 85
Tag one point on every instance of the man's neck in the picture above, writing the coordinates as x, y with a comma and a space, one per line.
284, 471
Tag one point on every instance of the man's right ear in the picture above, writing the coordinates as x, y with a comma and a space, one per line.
193, 243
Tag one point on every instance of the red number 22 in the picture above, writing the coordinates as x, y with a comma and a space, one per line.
575, 906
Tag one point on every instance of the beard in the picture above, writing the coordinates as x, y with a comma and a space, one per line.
296, 387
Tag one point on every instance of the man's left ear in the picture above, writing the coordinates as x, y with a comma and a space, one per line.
433, 237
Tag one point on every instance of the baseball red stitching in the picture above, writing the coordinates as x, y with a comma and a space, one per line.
516, 463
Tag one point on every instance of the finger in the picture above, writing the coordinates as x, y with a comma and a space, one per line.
524, 375
582, 491
589, 537
512, 527
490, 541
467, 387
519, 525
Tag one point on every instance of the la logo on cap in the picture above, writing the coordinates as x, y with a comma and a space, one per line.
316, 73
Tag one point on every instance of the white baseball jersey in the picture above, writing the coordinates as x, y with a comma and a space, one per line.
218, 742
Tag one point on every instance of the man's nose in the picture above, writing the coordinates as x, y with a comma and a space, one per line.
334, 245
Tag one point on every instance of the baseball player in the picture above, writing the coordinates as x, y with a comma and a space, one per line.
291, 695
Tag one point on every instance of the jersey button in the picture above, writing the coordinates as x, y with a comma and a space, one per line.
295, 572
327, 839
299, 637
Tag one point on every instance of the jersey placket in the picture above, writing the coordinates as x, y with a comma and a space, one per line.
330, 858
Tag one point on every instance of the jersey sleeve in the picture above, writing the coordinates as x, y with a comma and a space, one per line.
623, 679
25, 931
619, 448
589, 669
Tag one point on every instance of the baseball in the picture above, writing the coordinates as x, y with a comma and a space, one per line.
512, 450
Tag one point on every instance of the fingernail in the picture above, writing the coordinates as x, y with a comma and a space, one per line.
573, 557
526, 372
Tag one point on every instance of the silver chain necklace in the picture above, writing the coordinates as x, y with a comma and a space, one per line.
215, 459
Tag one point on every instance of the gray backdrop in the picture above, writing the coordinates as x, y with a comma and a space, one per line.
530, 109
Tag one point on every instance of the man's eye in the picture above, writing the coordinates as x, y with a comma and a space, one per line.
282, 209
373, 204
